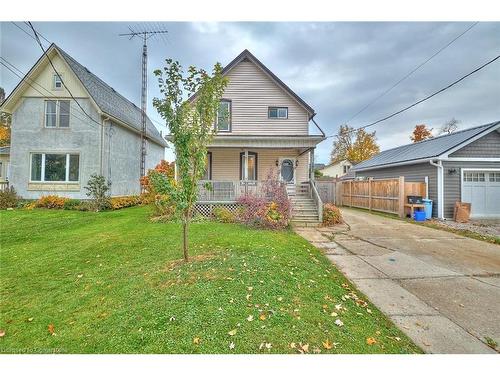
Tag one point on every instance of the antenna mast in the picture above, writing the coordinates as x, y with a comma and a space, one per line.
145, 35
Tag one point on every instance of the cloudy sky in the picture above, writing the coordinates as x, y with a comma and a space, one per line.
335, 67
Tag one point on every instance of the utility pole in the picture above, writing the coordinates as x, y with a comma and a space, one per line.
145, 35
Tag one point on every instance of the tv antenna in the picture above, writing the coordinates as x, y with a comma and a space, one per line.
145, 35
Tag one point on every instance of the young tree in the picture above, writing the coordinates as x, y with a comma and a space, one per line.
364, 147
420, 133
449, 126
189, 104
354, 145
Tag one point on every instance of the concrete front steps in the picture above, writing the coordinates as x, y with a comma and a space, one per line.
304, 210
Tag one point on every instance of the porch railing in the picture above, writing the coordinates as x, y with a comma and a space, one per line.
228, 191
317, 199
4, 185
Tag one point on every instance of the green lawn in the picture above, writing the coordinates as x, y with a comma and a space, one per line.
113, 282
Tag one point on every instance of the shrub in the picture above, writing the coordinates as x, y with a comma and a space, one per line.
331, 215
223, 214
163, 207
98, 191
51, 201
122, 202
8, 198
148, 191
270, 210
72, 204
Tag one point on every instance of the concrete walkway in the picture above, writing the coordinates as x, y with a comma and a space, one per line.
441, 289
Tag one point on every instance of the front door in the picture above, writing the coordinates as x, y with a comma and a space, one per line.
287, 170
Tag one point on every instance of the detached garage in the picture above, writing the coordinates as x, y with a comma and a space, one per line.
462, 166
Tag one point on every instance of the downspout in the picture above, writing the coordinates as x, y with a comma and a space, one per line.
101, 164
440, 187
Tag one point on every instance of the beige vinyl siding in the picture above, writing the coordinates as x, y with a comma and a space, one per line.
252, 92
226, 163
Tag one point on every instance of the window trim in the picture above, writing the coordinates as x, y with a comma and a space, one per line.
42, 169
58, 114
230, 120
242, 156
55, 77
277, 113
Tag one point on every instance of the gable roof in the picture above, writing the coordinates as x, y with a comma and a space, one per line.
106, 98
246, 54
337, 162
423, 150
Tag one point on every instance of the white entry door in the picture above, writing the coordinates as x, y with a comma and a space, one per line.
287, 170
481, 188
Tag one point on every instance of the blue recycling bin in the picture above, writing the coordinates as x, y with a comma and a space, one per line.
419, 216
427, 208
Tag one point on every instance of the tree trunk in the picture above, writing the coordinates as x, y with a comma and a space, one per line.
185, 224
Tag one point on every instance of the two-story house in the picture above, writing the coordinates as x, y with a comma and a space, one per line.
68, 124
262, 128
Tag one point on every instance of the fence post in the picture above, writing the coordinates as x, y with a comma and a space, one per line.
401, 199
370, 194
350, 193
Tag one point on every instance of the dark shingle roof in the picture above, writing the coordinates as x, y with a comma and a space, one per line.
429, 148
111, 101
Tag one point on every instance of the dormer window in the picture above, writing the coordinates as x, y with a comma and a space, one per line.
224, 116
278, 112
58, 85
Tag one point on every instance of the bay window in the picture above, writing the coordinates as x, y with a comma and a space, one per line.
55, 167
57, 113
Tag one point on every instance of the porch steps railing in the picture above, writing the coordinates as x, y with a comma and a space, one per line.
305, 210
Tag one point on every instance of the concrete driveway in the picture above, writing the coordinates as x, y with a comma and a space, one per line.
441, 289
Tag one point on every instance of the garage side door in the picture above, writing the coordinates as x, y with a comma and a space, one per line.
481, 188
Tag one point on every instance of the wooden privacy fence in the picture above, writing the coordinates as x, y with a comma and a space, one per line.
326, 190
385, 195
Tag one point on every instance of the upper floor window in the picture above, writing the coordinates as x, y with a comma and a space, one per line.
57, 113
346, 168
58, 85
278, 112
224, 116
55, 167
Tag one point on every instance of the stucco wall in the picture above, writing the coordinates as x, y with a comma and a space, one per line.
30, 135
121, 159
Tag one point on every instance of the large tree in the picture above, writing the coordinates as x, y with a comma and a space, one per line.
189, 105
5, 120
420, 133
353, 145
449, 126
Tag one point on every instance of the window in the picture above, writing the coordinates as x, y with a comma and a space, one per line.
346, 168
494, 176
57, 82
278, 112
248, 170
55, 167
57, 113
474, 177
224, 116
208, 167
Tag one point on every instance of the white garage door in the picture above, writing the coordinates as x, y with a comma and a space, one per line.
481, 188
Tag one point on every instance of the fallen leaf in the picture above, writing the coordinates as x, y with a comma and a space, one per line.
248, 296
334, 314
250, 288
51, 329
2, 333
80, 276
250, 318
196, 340
232, 333
172, 318
280, 299
339, 322
262, 317
327, 344
231, 345
30, 319
371, 340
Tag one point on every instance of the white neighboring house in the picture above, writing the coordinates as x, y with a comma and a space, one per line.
59, 138
4, 167
337, 169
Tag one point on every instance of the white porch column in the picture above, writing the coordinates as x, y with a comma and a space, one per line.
245, 166
311, 164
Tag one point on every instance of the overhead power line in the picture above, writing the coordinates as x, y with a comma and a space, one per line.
411, 72
22, 76
58, 75
426, 98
